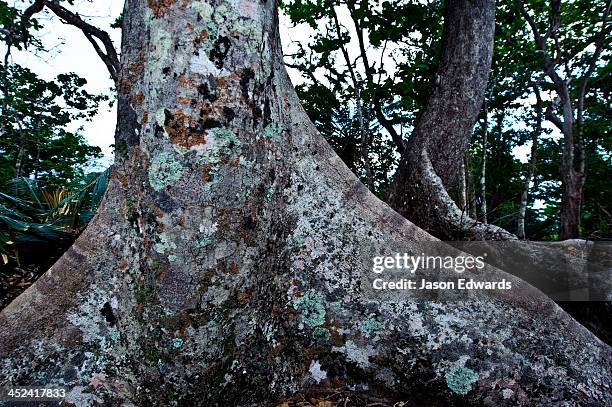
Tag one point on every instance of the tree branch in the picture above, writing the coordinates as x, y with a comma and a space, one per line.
93, 34
551, 117
380, 116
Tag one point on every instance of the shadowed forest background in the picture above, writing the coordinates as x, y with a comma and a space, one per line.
366, 70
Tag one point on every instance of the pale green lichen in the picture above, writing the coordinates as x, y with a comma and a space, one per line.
204, 12
223, 143
164, 170
312, 308
460, 379
356, 353
165, 244
227, 141
114, 335
205, 241
370, 326
177, 343
272, 130
323, 333
246, 163
162, 41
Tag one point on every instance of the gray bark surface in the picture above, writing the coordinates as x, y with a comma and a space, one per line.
224, 265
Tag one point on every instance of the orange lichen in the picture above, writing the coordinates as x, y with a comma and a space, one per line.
132, 73
138, 98
159, 213
180, 129
160, 7
233, 268
122, 179
206, 174
183, 81
200, 38
161, 274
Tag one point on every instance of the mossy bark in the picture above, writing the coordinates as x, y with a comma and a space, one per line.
225, 265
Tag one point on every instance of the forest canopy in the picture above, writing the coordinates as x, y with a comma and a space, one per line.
367, 68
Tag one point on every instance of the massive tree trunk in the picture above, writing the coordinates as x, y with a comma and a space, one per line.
432, 158
225, 265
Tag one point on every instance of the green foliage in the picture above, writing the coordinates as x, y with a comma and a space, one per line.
409, 33
45, 198
34, 215
34, 117
12, 29
406, 32
118, 23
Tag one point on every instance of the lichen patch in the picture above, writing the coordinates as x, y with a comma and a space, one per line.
460, 379
160, 7
164, 170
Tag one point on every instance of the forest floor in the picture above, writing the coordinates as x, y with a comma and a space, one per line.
15, 280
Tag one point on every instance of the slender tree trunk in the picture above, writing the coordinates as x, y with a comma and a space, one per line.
225, 265
573, 170
572, 166
571, 201
357, 92
483, 166
20, 153
434, 153
462, 189
535, 135
471, 196
363, 131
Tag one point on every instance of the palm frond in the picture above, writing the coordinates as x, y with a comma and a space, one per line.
30, 215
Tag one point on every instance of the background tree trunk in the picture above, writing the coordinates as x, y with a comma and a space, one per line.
442, 133
573, 169
483, 165
226, 263
462, 189
533, 158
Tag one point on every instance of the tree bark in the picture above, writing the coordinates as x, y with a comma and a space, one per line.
471, 195
442, 133
224, 266
571, 201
